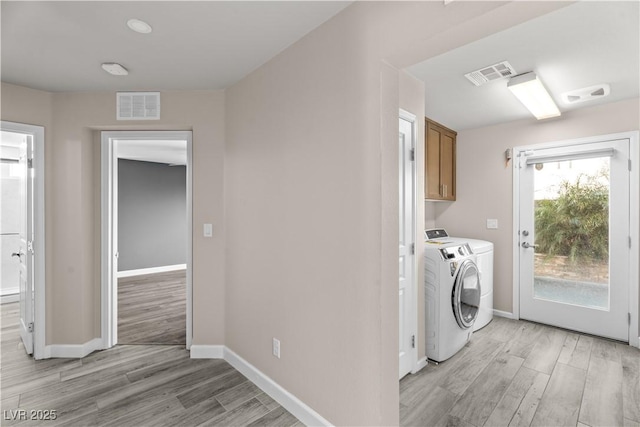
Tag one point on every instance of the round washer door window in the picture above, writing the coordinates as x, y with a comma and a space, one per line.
466, 294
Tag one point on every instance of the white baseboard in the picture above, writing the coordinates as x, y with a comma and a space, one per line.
6, 299
73, 351
288, 401
152, 270
505, 314
207, 351
421, 364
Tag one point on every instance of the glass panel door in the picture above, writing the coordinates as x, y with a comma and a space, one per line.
573, 237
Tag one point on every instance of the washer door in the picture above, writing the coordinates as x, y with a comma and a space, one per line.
466, 294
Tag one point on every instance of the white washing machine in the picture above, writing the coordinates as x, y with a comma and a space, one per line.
484, 253
452, 296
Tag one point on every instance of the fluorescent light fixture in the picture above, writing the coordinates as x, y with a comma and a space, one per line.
139, 26
530, 91
115, 69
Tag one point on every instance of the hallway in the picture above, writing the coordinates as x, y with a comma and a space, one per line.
130, 385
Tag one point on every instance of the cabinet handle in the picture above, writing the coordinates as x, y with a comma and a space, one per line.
444, 191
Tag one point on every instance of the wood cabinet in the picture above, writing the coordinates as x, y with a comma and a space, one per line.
440, 162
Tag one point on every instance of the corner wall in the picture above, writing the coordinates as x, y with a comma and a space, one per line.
312, 200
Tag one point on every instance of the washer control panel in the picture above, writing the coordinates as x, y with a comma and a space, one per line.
435, 233
453, 252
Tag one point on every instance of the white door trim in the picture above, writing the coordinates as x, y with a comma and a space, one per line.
39, 246
109, 156
634, 270
416, 363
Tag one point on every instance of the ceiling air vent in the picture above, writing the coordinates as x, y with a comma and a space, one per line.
586, 94
497, 71
138, 106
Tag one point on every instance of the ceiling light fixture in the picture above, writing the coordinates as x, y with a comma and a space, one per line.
530, 91
115, 69
139, 26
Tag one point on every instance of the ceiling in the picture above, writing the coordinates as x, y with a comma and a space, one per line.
162, 151
580, 45
59, 46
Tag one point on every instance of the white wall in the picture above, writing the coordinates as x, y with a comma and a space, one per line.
9, 224
73, 122
484, 180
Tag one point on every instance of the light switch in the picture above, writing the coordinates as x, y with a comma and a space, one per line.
208, 230
492, 224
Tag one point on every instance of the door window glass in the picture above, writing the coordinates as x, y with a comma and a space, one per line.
571, 210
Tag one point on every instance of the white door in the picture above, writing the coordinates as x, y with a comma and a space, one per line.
573, 236
24, 253
406, 295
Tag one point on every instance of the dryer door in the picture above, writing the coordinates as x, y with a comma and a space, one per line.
466, 294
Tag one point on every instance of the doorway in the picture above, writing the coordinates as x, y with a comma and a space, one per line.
146, 238
573, 235
22, 228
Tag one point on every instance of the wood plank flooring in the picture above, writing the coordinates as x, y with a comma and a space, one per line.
129, 385
152, 308
518, 373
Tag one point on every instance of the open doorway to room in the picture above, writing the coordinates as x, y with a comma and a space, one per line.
147, 241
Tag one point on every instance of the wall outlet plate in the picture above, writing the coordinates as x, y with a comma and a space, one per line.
492, 224
276, 348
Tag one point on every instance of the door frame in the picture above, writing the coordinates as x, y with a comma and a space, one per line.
109, 205
413, 315
39, 243
634, 218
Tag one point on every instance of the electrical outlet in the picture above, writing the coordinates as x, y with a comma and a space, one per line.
276, 348
492, 224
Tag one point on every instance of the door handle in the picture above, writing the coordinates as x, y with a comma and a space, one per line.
18, 254
526, 245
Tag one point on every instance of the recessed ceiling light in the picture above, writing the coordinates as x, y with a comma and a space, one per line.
139, 26
115, 69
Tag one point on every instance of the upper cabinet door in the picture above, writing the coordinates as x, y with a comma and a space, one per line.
440, 162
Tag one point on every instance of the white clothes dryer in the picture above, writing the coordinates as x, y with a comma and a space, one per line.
484, 252
452, 297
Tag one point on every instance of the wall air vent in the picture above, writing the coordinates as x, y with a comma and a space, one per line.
138, 106
586, 94
497, 71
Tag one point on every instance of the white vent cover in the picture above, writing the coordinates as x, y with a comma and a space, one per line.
586, 94
497, 71
138, 106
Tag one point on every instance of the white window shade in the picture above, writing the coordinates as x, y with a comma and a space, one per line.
586, 154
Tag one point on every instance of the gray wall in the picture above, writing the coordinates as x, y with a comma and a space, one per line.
152, 215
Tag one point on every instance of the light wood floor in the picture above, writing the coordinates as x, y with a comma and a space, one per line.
130, 385
517, 373
152, 308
